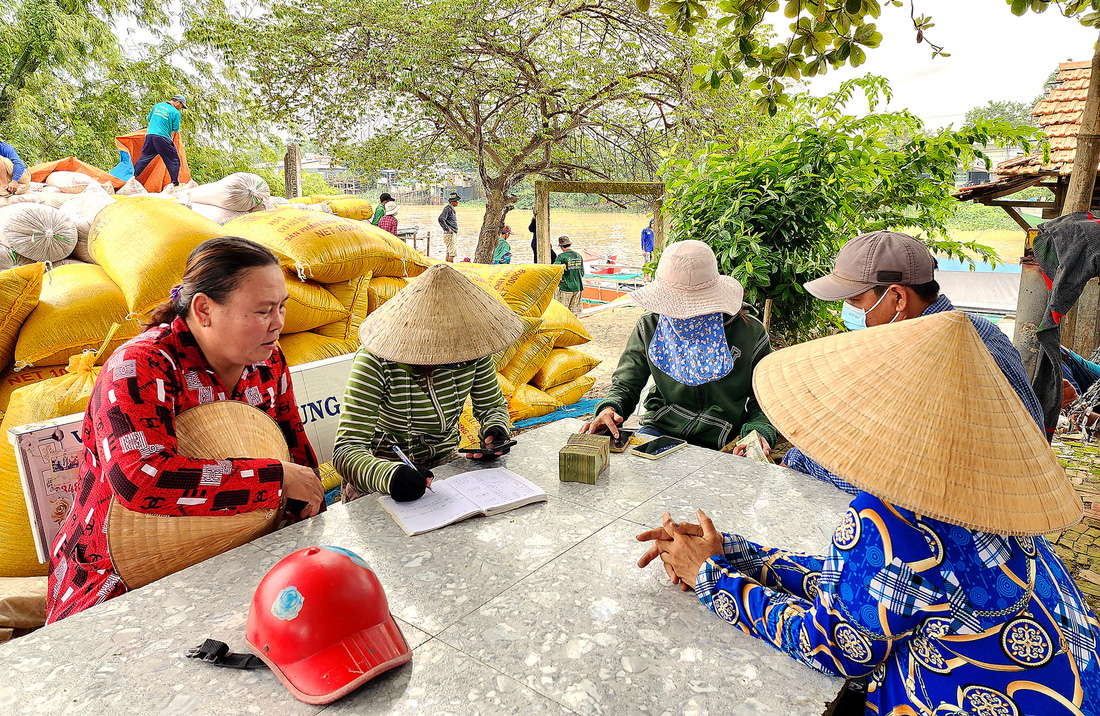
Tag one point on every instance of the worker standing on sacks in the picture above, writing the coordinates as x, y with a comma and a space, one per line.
164, 123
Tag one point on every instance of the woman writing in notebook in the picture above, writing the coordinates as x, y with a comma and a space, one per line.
422, 354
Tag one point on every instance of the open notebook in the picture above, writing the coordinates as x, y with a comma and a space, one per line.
480, 492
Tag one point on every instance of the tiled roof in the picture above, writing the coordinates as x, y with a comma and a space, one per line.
1059, 116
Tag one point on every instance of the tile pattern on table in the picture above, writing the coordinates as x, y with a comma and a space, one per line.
766, 504
443, 680
432, 580
600, 636
628, 482
127, 655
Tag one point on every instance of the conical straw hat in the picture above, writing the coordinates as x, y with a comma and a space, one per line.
440, 317
146, 547
918, 414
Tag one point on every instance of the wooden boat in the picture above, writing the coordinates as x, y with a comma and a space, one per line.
605, 279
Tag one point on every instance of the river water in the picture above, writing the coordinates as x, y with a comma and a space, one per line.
604, 233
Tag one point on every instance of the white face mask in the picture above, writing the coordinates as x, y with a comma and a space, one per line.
855, 319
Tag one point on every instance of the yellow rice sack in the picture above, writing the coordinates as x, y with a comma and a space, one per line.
329, 477
529, 358
20, 288
328, 248
301, 200
574, 390
143, 244
559, 318
562, 366
530, 402
358, 209
506, 386
530, 327
306, 347
320, 198
382, 289
78, 306
468, 427
12, 380
526, 288
310, 306
36, 403
352, 295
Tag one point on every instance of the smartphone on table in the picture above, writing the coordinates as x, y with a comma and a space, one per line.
488, 450
658, 448
618, 444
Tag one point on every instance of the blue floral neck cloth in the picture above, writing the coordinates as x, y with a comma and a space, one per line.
692, 351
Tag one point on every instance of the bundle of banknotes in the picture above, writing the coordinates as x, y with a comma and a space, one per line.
583, 458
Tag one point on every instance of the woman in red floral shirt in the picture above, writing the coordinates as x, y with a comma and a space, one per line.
214, 339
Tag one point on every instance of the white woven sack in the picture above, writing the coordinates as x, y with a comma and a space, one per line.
242, 191
69, 182
82, 210
132, 188
216, 214
37, 232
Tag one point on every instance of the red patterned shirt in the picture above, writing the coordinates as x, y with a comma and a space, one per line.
389, 223
130, 454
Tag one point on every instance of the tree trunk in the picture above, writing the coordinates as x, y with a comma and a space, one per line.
497, 205
1083, 178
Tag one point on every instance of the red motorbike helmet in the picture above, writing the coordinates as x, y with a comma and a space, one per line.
320, 621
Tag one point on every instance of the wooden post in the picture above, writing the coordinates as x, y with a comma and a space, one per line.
1083, 177
767, 314
292, 171
658, 225
542, 221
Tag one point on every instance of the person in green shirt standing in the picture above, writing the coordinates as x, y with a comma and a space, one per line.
164, 123
380, 211
571, 286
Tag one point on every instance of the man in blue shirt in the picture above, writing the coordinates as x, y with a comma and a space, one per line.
886, 276
14, 177
164, 122
647, 241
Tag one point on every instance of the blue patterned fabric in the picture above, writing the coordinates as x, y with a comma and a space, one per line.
692, 351
912, 603
1004, 354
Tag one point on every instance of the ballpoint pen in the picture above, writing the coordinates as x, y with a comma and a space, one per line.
407, 461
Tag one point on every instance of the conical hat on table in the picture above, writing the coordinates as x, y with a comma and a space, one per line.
146, 547
918, 414
440, 317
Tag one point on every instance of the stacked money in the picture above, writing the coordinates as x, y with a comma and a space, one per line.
583, 458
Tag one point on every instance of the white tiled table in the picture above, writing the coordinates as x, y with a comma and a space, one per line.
539, 610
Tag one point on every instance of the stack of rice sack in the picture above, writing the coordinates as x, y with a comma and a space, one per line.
54, 331
543, 370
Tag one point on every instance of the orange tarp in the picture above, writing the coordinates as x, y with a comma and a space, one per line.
39, 172
155, 177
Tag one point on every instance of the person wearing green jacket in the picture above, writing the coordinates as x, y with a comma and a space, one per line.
699, 348
502, 254
423, 353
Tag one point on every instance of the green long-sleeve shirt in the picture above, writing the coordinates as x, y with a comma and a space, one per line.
387, 404
709, 415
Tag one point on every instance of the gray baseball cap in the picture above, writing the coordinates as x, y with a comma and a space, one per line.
880, 258
179, 98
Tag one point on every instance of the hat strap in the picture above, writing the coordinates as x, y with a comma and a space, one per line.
217, 653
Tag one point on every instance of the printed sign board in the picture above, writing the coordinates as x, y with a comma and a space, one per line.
48, 454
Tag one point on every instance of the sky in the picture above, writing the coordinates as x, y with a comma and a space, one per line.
994, 56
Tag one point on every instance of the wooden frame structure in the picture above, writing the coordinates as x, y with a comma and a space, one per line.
543, 188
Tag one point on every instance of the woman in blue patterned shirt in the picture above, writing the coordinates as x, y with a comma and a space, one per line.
955, 604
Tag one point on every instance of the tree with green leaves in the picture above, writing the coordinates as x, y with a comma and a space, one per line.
1017, 114
777, 211
524, 88
69, 84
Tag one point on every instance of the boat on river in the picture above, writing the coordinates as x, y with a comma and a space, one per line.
605, 279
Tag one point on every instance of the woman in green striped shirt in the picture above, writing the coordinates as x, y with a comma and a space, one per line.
423, 352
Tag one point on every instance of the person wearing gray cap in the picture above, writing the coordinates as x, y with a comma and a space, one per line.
164, 123
887, 276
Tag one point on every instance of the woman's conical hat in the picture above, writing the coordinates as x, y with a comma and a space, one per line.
440, 317
918, 414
